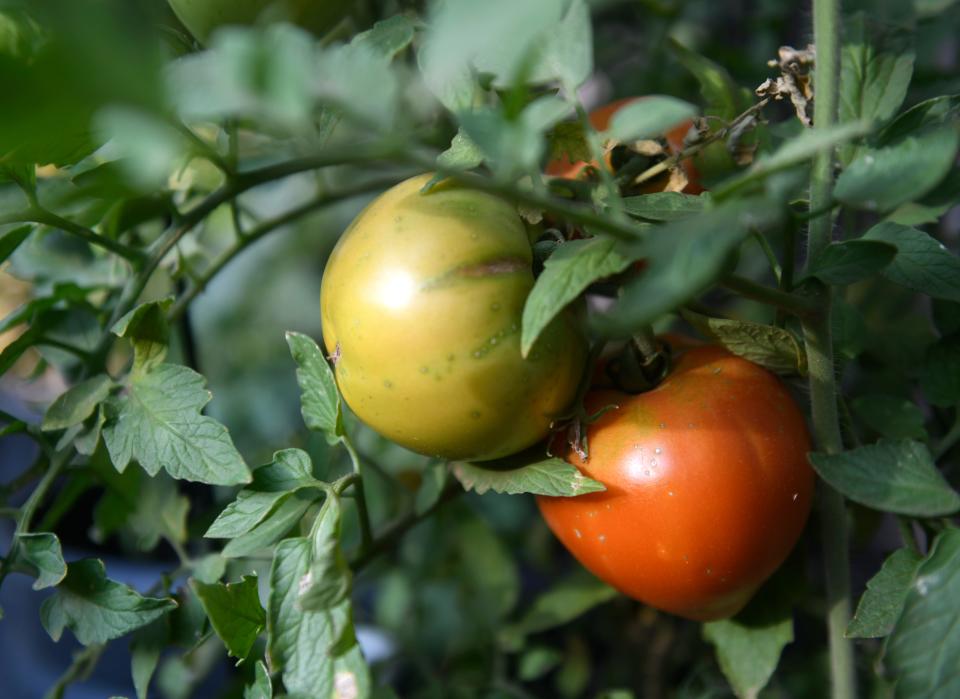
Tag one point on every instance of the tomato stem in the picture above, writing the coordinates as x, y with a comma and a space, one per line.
835, 533
642, 364
366, 535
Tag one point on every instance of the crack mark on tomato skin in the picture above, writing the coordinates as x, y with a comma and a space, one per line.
478, 270
506, 265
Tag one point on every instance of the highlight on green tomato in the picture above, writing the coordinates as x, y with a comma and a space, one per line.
202, 17
421, 304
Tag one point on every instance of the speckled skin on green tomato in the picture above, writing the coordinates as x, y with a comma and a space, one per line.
421, 304
202, 17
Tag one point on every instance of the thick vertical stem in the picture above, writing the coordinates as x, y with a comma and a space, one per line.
835, 535
823, 387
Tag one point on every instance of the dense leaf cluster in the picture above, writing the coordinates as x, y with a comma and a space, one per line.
136, 166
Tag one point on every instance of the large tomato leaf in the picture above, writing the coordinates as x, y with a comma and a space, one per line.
892, 476
549, 477
923, 652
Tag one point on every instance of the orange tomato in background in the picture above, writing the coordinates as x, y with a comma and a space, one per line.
708, 486
600, 120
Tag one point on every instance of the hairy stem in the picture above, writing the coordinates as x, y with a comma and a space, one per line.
366, 535
835, 535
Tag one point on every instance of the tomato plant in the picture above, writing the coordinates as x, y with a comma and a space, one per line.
210, 489
707, 486
422, 302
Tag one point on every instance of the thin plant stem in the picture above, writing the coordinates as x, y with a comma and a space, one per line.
366, 535
84, 662
38, 214
768, 252
29, 508
791, 303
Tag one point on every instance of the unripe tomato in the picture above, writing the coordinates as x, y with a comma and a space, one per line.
421, 303
708, 486
600, 120
201, 17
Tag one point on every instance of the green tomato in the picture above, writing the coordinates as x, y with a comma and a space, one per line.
421, 304
201, 17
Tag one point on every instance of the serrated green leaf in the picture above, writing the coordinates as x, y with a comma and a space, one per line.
312, 650
923, 651
41, 552
567, 272
922, 263
881, 179
850, 261
96, 608
234, 611
648, 118
891, 476
272, 528
319, 399
157, 422
876, 66
549, 477
771, 347
290, 471
328, 582
78, 403
881, 603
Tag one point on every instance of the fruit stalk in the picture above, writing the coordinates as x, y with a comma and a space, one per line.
822, 378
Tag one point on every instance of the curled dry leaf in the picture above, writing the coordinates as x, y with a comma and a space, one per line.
795, 81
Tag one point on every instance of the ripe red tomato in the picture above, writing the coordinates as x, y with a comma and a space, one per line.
708, 486
600, 120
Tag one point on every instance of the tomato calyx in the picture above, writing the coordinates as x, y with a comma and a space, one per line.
641, 365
